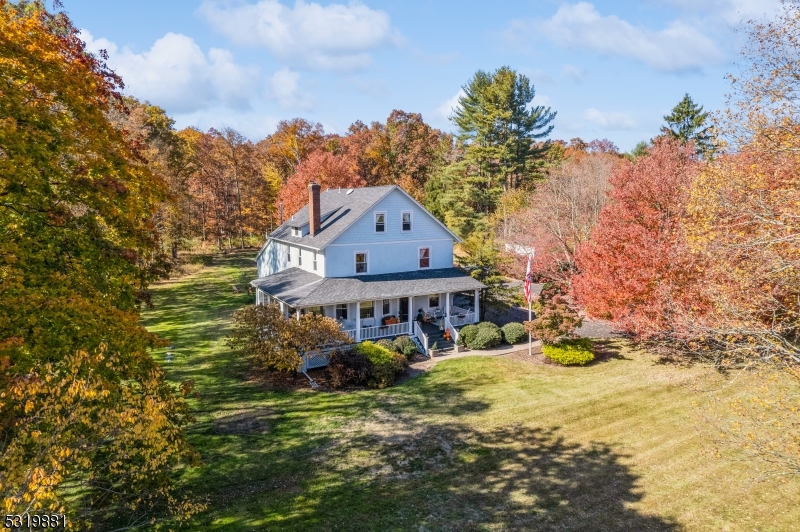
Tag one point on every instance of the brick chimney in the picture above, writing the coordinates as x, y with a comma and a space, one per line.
313, 208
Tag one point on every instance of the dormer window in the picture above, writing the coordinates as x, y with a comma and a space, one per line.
406, 217
380, 222
296, 231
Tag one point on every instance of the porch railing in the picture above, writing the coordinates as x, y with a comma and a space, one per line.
421, 336
462, 319
351, 334
395, 329
453, 331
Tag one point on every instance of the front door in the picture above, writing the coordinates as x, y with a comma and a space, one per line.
403, 310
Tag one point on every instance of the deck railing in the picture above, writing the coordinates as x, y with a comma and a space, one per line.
395, 329
351, 334
421, 336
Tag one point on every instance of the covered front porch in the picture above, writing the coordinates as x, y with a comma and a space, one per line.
369, 307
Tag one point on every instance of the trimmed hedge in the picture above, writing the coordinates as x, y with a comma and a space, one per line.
574, 352
386, 365
467, 334
514, 332
385, 343
405, 345
346, 367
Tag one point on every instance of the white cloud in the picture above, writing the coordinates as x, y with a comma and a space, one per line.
285, 85
574, 73
730, 11
332, 37
541, 99
538, 77
611, 120
177, 75
677, 47
448, 107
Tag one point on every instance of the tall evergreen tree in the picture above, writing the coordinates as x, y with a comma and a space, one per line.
498, 126
497, 132
688, 122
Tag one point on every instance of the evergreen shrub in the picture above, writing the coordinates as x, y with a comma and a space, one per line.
574, 352
489, 335
405, 345
467, 334
514, 332
386, 365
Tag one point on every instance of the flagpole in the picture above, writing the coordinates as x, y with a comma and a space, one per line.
530, 340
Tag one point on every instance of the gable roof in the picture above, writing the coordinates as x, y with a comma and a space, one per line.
339, 211
343, 208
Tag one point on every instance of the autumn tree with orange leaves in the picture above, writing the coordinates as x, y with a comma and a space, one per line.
84, 409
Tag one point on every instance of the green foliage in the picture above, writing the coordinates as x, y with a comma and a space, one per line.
687, 122
486, 335
435, 346
572, 352
349, 368
496, 150
514, 332
467, 334
640, 150
405, 345
386, 365
483, 261
386, 344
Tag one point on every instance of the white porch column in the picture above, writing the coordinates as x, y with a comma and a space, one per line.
284, 310
358, 321
447, 305
298, 314
477, 305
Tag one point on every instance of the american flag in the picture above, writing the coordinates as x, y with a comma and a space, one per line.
528, 281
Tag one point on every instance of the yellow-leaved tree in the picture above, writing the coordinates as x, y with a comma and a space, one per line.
88, 425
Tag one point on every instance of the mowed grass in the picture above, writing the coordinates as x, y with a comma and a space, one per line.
477, 443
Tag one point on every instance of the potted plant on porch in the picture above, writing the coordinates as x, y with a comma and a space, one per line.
434, 350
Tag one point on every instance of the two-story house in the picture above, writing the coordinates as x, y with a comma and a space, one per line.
372, 258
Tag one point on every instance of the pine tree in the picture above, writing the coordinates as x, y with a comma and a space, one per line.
688, 122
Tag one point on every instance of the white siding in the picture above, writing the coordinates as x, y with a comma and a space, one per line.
393, 250
274, 259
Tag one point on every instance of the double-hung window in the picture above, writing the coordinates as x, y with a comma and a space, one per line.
299, 257
380, 222
288, 254
385, 307
341, 311
406, 221
424, 258
315, 261
361, 262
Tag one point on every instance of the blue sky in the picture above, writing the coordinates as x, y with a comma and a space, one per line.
611, 69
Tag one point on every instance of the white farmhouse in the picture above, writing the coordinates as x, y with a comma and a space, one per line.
372, 258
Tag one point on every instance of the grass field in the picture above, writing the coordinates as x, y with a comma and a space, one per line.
477, 443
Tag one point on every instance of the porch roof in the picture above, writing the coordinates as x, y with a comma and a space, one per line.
300, 288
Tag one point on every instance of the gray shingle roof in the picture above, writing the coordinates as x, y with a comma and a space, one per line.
300, 288
345, 209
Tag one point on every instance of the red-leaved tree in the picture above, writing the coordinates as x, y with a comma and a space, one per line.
636, 268
327, 169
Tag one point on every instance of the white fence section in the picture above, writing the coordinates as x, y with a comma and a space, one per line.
351, 334
453, 332
421, 336
395, 329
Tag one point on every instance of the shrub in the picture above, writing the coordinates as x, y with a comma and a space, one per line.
348, 367
555, 318
385, 343
405, 345
487, 337
386, 365
574, 352
514, 332
467, 334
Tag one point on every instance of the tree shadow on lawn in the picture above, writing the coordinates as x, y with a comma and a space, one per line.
404, 461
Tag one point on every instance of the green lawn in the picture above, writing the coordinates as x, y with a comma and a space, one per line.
475, 444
